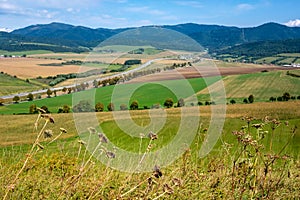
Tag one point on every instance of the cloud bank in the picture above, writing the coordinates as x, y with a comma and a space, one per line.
293, 23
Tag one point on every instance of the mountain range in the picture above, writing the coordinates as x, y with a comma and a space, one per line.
64, 37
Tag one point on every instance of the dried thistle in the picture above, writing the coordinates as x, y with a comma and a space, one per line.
152, 136
42, 111
62, 130
40, 146
156, 172
48, 133
102, 138
168, 189
92, 130
81, 142
110, 154
48, 117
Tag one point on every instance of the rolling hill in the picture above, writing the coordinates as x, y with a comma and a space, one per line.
80, 38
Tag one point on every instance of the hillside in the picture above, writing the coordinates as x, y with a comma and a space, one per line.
213, 37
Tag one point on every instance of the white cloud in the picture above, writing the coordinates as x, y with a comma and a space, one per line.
194, 4
244, 6
293, 23
5, 30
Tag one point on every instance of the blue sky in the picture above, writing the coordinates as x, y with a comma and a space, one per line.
131, 13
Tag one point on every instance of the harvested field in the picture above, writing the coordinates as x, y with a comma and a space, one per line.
30, 67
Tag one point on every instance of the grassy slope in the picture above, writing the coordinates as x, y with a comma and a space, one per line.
146, 94
261, 85
10, 85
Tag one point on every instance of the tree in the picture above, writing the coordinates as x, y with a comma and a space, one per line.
110, 107
64, 90
33, 109
245, 100
286, 96
272, 99
45, 108
232, 101
30, 97
251, 98
134, 105
279, 99
83, 106
49, 93
123, 107
95, 84
66, 109
16, 99
99, 107
200, 103
168, 103
180, 102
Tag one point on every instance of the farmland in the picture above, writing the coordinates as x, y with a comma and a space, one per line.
64, 157
77, 173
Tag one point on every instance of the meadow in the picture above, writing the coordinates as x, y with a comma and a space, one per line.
65, 170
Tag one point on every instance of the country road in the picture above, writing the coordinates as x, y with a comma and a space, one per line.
24, 94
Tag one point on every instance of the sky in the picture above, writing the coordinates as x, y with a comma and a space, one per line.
16, 14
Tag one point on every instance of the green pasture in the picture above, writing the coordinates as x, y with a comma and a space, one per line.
20, 53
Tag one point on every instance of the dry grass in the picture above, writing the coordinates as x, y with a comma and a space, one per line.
17, 129
30, 68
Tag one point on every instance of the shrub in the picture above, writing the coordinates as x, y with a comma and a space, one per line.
251, 98
110, 107
123, 107
180, 102
33, 109
16, 99
168, 103
134, 105
30, 97
99, 107
232, 101
83, 106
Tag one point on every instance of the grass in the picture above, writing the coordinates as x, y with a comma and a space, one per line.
20, 53
261, 85
146, 95
62, 174
11, 85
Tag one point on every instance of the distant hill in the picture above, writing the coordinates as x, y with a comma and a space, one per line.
79, 38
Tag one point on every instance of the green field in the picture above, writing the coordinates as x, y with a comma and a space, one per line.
146, 94
11, 85
20, 53
261, 85
65, 171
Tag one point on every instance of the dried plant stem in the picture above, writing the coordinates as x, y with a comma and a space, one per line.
132, 189
30, 154
162, 194
56, 138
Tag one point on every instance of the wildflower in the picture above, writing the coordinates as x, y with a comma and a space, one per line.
152, 136
92, 130
110, 154
62, 130
48, 133
156, 172
102, 138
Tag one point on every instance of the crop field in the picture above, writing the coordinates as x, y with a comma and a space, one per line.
9, 84
147, 94
261, 85
31, 67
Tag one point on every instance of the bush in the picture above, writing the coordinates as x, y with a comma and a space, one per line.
83, 106
30, 97
99, 107
110, 107
232, 101
16, 99
180, 102
168, 103
33, 109
134, 105
251, 98
123, 107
